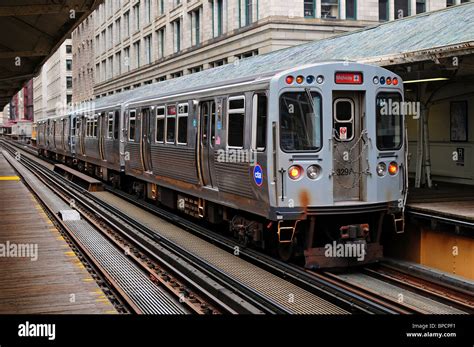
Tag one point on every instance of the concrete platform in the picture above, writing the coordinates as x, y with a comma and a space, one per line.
446, 200
39, 273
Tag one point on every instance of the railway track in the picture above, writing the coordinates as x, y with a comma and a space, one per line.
190, 295
438, 290
331, 287
248, 300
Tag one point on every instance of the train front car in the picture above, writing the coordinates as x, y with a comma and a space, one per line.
339, 166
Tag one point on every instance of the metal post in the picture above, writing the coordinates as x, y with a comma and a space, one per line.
426, 142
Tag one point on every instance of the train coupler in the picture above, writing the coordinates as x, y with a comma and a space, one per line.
354, 231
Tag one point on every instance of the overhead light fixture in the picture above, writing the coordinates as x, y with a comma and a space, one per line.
427, 80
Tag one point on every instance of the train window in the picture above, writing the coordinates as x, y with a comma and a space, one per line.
110, 125
183, 124
235, 122
389, 124
74, 127
344, 119
213, 123
259, 119
160, 124
132, 125
300, 121
116, 124
95, 127
170, 124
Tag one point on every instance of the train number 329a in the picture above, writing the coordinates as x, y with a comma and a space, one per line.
344, 172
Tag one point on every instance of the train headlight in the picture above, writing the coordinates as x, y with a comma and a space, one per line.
381, 169
393, 168
376, 80
320, 79
295, 172
313, 171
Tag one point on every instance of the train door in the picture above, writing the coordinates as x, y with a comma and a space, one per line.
102, 134
207, 142
82, 133
145, 138
349, 146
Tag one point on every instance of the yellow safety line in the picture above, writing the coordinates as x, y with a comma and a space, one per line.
9, 178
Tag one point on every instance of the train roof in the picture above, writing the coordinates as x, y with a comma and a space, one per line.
400, 37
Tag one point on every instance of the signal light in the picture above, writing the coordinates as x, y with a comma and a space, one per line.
395, 81
388, 81
295, 172
310, 79
393, 168
320, 79
382, 80
376, 80
289, 79
299, 79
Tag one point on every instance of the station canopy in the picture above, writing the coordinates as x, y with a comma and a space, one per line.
31, 30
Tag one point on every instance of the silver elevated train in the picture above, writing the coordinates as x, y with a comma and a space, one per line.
303, 161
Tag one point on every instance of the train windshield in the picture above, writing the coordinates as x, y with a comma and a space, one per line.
389, 119
300, 121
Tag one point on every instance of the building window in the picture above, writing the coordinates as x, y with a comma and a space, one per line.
351, 9
248, 12
161, 43
161, 79
235, 122
383, 10
126, 23
309, 8
68, 49
218, 63
196, 27
449, 3
177, 35
162, 7
220, 17
401, 9
247, 54
126, 58
118, 35
420, 6
68, 64
68, 82
176, 74
118, 61
148, 49
147, 11
136, 17
68, 99
111, 67
330, 9
110, 39
136, 48
195, 69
